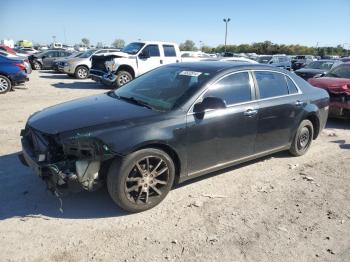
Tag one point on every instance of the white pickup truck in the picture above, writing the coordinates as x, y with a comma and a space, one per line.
118, 68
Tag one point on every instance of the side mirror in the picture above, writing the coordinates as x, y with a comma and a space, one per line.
209, 103
43, 57
270, 62
144, 55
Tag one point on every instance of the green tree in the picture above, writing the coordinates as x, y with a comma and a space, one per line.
118, 43
85, 41
188, 45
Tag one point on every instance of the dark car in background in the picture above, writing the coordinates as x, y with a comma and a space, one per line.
172, 124
280, 61
337, 83
317, 68
301, 61
45, 59
12, 73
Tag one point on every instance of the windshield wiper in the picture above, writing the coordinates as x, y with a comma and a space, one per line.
135, 101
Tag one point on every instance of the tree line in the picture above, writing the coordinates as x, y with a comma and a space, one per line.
267, 48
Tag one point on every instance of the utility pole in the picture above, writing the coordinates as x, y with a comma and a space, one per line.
226, 20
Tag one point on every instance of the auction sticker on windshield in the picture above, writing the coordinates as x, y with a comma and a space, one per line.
190, 73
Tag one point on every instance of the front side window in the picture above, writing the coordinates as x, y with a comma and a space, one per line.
264, 59
169, 50
232, 89
152, 50
271, 84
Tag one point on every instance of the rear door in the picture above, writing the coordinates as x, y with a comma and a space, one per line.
171, 55
280, 109
223, 135
153, 60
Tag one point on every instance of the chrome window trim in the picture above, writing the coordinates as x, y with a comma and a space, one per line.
252, 85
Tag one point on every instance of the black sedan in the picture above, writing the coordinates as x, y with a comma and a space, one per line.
317, 68
171, 124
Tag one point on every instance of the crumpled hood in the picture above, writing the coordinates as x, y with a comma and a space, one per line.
88, 112
116, 54
332, 84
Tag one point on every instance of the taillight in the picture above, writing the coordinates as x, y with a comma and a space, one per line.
21, 66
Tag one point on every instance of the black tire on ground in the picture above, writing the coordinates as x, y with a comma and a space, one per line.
81, 72
302, 139
136, 184
37, 65
122, 78
5, 84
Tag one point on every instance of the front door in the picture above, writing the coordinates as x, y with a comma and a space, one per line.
221, 136
49, 58
149, 58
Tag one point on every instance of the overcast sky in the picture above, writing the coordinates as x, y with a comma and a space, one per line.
303, 22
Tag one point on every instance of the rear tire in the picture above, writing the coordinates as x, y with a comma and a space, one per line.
5, 84
123, 77
302, 139
81, 72
140, 180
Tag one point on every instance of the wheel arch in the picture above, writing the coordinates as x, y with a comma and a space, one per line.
127, 68
313, 118
167, 149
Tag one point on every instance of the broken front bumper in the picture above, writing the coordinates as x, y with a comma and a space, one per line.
339, 106
105, 78
77, 159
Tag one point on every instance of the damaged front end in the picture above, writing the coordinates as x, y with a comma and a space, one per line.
79, 159
339, 101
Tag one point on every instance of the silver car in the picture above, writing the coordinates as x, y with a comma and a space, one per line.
79, 67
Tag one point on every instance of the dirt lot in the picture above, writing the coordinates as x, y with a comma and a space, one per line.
277, 208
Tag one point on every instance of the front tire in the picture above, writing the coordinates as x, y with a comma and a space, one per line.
81, 72
302, 139
37, 65
123, 77
141, 180
5, 84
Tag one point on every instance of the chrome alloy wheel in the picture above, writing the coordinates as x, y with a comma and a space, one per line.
147, 179
4, 85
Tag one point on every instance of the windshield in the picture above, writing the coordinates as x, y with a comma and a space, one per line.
133, 48
164, 88
341, 71
326, 65
264, 59
87, 53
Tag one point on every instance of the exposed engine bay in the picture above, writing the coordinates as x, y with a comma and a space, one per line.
78, 159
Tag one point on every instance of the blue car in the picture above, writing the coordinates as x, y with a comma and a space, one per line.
12, 72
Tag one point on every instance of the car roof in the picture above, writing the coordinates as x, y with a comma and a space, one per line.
218, 66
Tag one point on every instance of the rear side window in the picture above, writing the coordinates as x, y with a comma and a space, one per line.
271, 84
153, 50
169, 50
291, 86
232, 89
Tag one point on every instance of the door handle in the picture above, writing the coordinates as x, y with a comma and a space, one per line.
161, 61
299, 103
250, 112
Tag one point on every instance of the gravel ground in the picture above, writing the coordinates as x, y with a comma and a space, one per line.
278, 208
